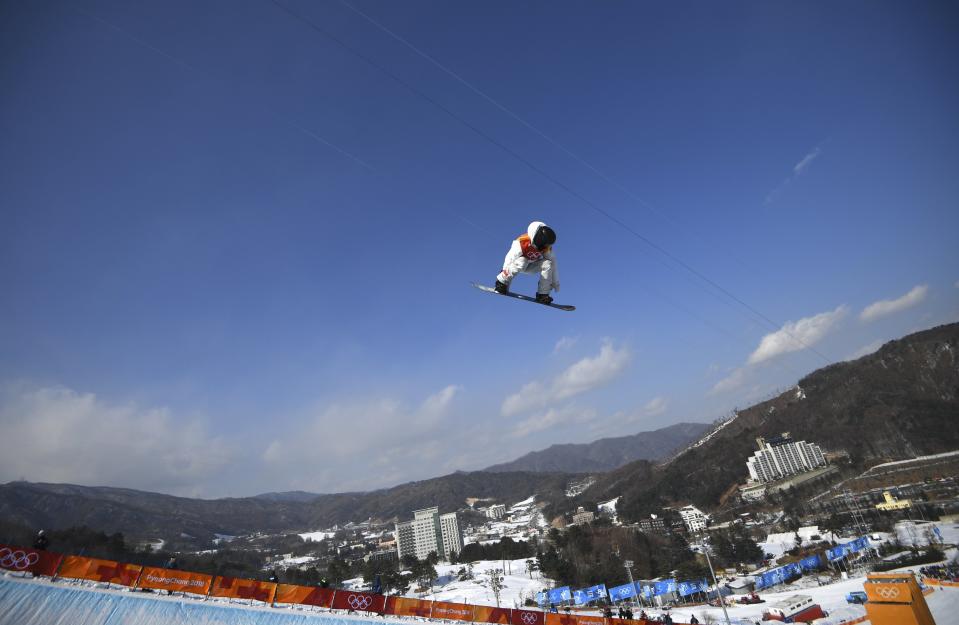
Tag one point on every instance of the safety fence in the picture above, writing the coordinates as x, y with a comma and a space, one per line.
137, 577
791, 571
932, 581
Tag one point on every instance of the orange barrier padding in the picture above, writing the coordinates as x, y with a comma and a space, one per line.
24, 560
554, 618
452, 611
173, 580
405, 606
590, 620
306, 595
77, 567
527, 617
239, 588
487, 614
359, 601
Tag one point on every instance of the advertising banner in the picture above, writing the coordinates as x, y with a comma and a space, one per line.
489, 614
560, 595
305, 595
690, 588
663, 587
239, 588
452, 611
526, 617
860, 544
25, 560
76, 567
620, 593
406, 606
358, 601
648, 590
175, 581
552, 618
837, 553
590, 620
588, 595
811, 563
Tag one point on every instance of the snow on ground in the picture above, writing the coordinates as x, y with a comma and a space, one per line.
517, 584
519, 506
918, 533
317, 536
40, 602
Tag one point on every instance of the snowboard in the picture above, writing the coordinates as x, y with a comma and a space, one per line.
525, 298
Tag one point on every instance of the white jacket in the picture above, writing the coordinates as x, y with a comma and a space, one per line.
524, 257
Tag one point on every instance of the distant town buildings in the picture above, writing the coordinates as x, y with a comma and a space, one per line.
781, 457
429, 531
653, 525
382, 555
891, 503
693, 518
583, 516
496, 511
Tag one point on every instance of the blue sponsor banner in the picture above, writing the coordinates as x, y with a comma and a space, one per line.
663, 587
690, 588
619, 593
560, 595
860, 544
648, 590
838, 552
597, 592
588, 595
541, 599
809, 564
793, 569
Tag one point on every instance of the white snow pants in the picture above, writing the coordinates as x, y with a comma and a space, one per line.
548, 278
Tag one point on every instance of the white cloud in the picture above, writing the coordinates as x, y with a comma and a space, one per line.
585, 375
364, 443
564, 343
533, 395
795, 336
730, 383
798, 170
807, 160
56, 434
655, 406
883, 308
552, 418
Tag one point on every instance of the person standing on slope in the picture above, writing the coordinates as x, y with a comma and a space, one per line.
532, 253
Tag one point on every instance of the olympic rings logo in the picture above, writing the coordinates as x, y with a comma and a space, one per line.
17, 560
888, 592
359, 602
529, 618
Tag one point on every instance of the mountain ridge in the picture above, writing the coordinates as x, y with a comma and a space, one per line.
608, 453
896, 403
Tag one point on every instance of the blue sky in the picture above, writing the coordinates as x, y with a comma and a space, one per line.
238, 236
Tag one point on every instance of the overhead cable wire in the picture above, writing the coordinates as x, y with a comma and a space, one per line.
649, 242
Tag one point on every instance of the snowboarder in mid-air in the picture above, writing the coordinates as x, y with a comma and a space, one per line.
532, 253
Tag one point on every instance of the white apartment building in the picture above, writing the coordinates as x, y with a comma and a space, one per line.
428, 531
450, 531
781, 457
496, 511
694, 519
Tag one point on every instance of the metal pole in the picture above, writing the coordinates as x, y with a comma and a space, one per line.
629, 569
709, 563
